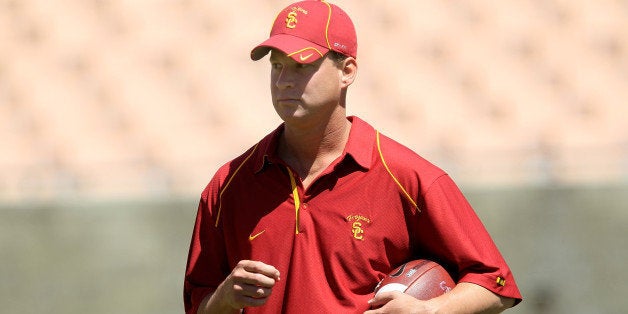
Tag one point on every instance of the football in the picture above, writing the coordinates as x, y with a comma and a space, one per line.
422, 279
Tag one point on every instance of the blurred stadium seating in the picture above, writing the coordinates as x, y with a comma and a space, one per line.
114, 114
138, 98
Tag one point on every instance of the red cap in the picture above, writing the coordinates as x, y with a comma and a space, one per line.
307, 30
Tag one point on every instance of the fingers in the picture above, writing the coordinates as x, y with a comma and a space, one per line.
255, 273
250, 284
382, 298
262, 271
255, 292
398, 302
247, 296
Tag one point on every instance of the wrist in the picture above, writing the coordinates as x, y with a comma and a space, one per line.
433, 306
215, 302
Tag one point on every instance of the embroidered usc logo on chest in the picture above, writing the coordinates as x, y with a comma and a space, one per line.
358, 224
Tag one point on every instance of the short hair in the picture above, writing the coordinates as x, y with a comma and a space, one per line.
337, 57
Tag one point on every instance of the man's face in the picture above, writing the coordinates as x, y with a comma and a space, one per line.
301, 91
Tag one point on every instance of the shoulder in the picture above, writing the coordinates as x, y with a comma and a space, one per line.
405, 161
245, 161
242, 166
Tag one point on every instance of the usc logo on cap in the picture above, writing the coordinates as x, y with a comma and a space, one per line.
291, 20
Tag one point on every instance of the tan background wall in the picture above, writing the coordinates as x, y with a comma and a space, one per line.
114, 98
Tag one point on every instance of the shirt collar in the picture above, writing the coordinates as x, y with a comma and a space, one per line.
361, 141
359, 145
267, 153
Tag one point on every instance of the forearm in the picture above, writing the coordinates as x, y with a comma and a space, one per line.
211, 304
471, 298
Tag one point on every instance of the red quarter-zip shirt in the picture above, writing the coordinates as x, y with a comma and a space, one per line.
377, 206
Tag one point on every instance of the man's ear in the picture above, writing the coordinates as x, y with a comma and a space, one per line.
349, 71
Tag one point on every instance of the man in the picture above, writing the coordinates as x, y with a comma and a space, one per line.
313, 216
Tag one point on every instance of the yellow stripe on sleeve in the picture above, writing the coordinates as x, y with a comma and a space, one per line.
381, 156
229, 182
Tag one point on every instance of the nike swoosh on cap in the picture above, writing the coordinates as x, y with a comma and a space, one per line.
303, 58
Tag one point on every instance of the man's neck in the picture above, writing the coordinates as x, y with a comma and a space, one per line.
311, 151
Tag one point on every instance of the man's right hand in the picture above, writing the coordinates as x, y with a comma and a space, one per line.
249, 284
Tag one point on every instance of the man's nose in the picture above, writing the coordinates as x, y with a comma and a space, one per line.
284, 79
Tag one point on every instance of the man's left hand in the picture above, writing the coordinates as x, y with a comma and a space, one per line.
398, 302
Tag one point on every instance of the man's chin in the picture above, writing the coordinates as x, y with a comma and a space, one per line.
287, 112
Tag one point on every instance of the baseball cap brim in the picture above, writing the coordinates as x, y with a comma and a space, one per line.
299, 49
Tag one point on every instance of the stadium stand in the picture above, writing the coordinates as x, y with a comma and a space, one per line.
133, 99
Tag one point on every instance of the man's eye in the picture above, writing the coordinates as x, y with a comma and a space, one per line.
275, 65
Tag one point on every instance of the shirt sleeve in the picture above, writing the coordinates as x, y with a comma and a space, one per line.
449, 230
206, 266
